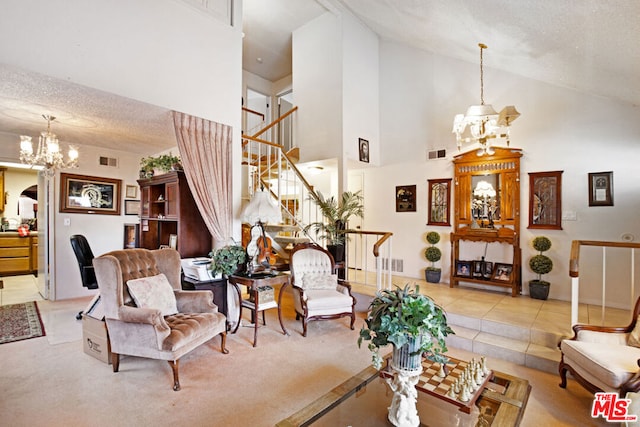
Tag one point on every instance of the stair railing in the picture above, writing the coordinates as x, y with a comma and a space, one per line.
574, 262
366, 251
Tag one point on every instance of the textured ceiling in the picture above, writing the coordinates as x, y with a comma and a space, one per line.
587, 45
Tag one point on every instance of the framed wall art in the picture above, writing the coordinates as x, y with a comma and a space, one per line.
132, 207
545, 200
406, 198
89, 194
131, 192
439, 202
363, 149
601, 189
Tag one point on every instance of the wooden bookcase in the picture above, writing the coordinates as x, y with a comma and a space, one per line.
167, 208
492, 219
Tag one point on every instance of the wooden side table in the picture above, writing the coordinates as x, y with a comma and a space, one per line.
253, 283
217, 286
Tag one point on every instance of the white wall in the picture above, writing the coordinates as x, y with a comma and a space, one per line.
559, 129
162, 52
317, 87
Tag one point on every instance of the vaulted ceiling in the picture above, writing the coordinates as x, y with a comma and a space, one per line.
586, 45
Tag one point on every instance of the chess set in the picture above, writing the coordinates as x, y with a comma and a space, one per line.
457, 382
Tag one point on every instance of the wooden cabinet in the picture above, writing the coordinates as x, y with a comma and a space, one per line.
487, 209
18, 255
168, 208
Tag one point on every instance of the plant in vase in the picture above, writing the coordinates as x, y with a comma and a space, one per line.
163, 162
227, 260
336, 215
433, 255
540, 264
402, 315
415, 326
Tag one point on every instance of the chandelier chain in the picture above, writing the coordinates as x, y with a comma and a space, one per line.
482, 47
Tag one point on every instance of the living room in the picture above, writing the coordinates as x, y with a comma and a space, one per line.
561, 129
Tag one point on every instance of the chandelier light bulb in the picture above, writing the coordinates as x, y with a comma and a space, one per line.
47, 154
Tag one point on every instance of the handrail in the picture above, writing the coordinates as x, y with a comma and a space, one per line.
575, 251
386, 235
278, 120
257, 113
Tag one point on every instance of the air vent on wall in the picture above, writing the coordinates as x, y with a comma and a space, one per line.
436, 154
108, 161
396, 264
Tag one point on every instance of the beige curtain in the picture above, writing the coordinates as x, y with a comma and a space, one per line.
205, 149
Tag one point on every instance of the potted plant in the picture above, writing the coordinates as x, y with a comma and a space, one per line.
433, 254
540, 264
228, 260
336, 215
408, 320
163, 162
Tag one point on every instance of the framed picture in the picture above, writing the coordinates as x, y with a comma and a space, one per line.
545, 200
363, 149
463, 268
89, 194
173, 241
601, 189
478, 269
132, 207
487, 270
131, 192
439, 202
406, 198
503, 272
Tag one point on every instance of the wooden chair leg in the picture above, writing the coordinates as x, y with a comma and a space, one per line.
304, 326
223, 337
174, 368
115, 361
353, 319
264, 321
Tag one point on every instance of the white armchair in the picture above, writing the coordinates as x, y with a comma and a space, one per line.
603, 358
317, 292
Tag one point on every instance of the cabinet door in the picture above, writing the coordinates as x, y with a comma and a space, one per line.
144, 202
463, 199
171, 194
511, 197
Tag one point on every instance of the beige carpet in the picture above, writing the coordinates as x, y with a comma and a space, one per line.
59, 385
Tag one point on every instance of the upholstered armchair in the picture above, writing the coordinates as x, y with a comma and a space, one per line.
147, 313
317, 292
603, 358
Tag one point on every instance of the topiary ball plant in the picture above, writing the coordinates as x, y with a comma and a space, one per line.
433, 255
540, 264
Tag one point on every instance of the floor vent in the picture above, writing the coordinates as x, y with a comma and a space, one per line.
108, 161
437, 154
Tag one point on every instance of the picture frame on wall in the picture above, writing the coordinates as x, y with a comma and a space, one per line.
132, 207
131, 192
363, 149
545, 200
89, 194
438, 210
406, 198
601, 189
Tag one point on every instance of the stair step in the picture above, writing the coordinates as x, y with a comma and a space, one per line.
285, 240
281, 228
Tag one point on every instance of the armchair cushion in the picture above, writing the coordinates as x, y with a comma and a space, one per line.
153, 292
319, 281
609, 365
327, 299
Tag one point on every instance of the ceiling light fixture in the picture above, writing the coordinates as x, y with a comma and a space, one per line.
481, 123
48, 153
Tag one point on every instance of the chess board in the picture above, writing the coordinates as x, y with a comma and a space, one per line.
429, 381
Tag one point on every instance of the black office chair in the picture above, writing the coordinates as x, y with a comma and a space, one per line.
84, 255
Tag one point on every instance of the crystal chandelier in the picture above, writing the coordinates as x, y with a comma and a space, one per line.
48, 154
481, 123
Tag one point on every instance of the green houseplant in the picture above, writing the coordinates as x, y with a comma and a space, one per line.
163, 162
433, 255
228, 259
397, 316
540, 264
336, 214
